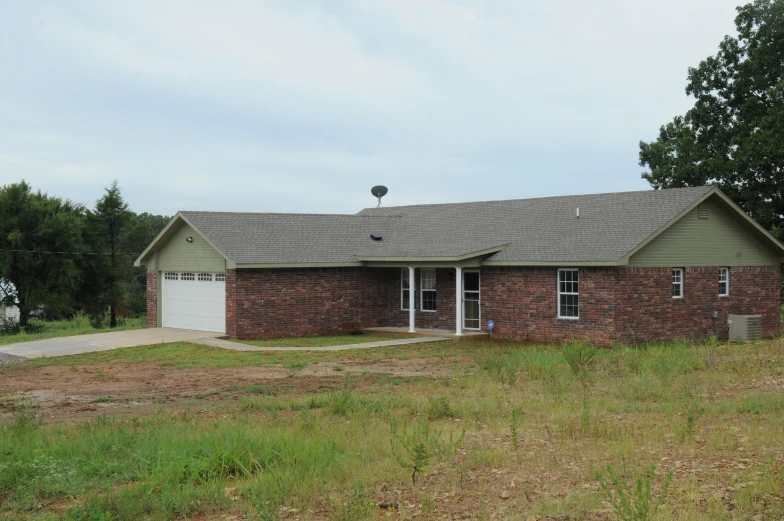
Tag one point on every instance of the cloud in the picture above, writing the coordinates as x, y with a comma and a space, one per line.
302, 106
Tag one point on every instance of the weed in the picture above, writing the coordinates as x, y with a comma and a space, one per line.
633, 502
439, 408
26, 418
257, 389
355, 505
420, 444
515, 422
338, 368
579, 356
296, 366
694, 412
104, 399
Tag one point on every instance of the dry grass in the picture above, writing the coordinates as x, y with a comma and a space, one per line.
710, 413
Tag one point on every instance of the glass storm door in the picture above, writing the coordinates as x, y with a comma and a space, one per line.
471, 318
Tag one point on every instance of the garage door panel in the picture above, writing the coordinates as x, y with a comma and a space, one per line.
194, 304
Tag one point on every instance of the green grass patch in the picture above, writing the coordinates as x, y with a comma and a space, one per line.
319, 341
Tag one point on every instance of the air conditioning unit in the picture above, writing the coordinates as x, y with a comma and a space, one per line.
745, 328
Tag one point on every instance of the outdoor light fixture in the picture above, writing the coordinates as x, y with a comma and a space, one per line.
188, 239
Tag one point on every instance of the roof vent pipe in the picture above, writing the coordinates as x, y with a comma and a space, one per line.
578, 213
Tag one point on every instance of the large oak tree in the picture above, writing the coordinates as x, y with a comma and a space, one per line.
733, 137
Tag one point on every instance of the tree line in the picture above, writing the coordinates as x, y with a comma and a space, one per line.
64, 258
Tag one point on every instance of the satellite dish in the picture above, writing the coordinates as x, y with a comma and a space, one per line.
379, 191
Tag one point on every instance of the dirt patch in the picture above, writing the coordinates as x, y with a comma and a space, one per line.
77, 392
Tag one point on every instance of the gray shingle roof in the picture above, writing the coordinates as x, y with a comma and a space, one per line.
282, 238
535, 230
538, 230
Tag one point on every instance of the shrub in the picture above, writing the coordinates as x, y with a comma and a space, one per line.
633, 502
420, 444
439, 408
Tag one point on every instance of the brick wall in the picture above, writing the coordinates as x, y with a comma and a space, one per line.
152, 298
523, 303
646, 310
442, 318
300, 302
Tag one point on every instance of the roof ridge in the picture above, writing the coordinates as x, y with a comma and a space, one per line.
703, 189
287, 214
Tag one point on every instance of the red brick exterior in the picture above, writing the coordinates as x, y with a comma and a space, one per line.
152, 298
646, 310
523, 303
270, 303
616, 304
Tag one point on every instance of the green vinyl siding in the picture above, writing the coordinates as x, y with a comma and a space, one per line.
179, 255
722, 239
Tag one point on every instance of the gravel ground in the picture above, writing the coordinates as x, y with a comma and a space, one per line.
6, 359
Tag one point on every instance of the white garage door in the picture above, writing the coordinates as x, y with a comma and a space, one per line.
194, 301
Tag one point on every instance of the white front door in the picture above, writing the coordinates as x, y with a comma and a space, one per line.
194, 301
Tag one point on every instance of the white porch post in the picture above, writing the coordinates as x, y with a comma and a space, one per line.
458, 301
411, 308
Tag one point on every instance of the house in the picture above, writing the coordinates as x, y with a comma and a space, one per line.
9, 312
649, 265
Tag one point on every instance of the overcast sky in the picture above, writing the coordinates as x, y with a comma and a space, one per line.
292, 106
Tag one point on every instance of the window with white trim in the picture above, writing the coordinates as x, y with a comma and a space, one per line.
170, 276
677, 283
205, 277
188, 276
568, 293
427, 284
220, 277
405, 289
724, 282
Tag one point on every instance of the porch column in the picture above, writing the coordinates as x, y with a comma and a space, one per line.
411, 308
458, 301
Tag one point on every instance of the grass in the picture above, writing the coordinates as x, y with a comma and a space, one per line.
79, 325
509, 419
184, 355
319, 341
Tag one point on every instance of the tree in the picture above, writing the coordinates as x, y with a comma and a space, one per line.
109, 223
733, 137
143, 228
40, 240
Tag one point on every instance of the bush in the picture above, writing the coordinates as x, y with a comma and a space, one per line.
10, 326
633, 502
439, 408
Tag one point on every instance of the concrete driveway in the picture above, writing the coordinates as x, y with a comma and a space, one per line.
74, 345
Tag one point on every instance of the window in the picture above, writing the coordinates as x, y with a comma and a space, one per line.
404, 289
188, 276
205, 277
220, 277
568, 293
677, 283
724, 282
428, 287
170, 276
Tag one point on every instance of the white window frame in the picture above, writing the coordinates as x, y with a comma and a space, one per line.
558, 290
422, 290
188, 276
726, 281
220, 277
680, 283
204, 277
404, 302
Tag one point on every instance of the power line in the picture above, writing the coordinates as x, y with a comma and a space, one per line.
68, 252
